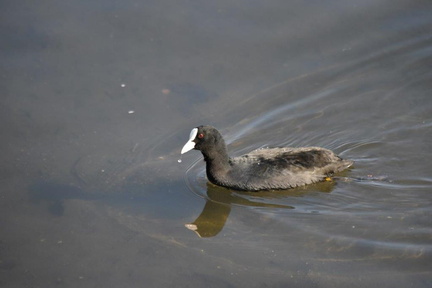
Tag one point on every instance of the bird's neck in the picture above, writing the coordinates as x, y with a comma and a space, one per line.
217, 161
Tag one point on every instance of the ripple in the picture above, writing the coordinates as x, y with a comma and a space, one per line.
364, 112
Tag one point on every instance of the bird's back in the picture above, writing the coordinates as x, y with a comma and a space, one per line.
283, 168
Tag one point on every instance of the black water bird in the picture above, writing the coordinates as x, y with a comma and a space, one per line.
263, 169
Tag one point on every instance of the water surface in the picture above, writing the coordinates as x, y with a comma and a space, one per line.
98, 99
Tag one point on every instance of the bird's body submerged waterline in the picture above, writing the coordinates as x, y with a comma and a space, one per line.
263, 169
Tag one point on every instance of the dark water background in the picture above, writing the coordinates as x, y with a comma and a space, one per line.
98, 97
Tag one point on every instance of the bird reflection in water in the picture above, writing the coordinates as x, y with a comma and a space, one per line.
219, 201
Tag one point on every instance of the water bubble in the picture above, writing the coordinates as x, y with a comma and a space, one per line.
179, 160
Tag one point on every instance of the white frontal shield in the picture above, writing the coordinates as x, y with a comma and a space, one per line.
190, 144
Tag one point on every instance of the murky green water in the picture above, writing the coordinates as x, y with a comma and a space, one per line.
98, 99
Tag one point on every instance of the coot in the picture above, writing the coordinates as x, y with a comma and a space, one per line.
262, 169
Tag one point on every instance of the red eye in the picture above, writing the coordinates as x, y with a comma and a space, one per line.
200, 135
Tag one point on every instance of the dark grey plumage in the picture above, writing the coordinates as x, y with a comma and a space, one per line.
263, 169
